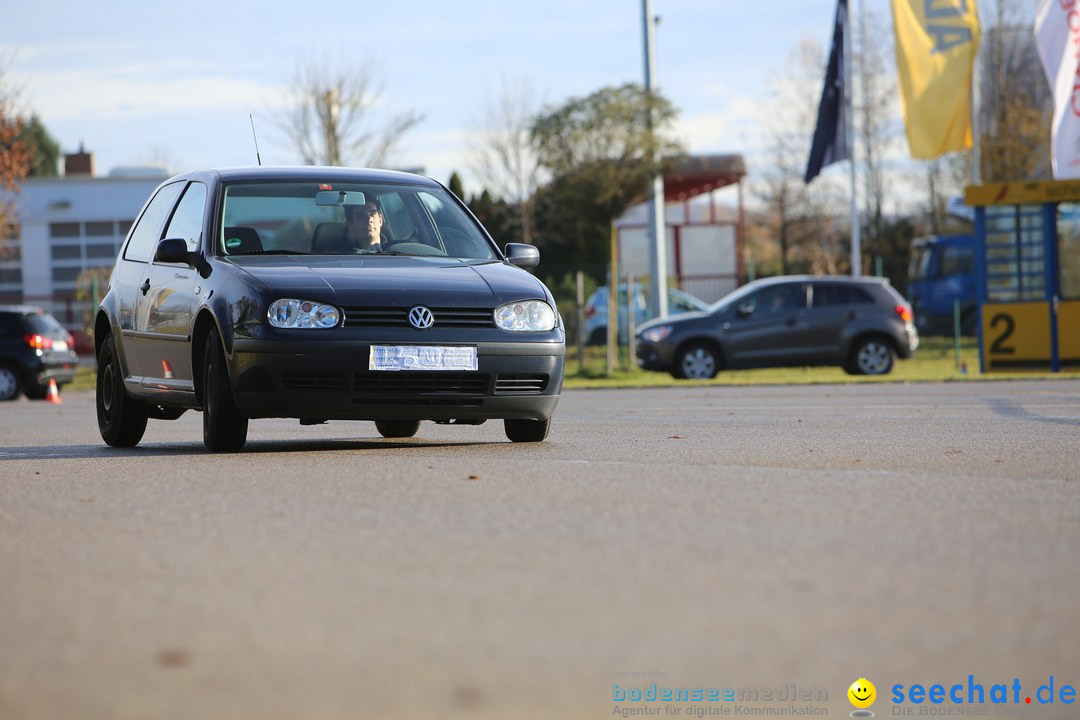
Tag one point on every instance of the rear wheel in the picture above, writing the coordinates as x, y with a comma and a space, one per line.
527, 430
871, 356
10, 382
224, 428
39, 392
697, 361
397, 428
121, 420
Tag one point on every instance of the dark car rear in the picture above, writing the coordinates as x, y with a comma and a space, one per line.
34, 349
860, 324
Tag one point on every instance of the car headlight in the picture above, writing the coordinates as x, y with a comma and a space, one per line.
656, 334
290, 313
526, 316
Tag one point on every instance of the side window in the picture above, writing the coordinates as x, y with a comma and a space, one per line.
957, 261
396, 216
828, 294
187, 221
778, 298
147, 232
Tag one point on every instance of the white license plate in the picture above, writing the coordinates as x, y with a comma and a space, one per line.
421, 357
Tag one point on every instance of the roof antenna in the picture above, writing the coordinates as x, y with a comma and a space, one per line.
257, 158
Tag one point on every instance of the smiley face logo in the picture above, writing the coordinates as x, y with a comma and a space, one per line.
862, 693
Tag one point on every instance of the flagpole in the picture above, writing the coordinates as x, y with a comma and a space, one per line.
849, 122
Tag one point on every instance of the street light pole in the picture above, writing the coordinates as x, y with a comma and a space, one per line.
657, 230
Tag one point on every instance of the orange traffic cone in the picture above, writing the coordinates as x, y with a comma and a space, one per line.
53, 396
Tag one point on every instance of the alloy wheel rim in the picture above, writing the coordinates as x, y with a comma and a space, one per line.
873, 358
7, 382
699, 364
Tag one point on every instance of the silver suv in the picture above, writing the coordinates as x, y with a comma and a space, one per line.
860, 324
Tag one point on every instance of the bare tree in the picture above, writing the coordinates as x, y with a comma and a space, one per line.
502, 154
333, 112
1016, 109
877, 94
797, 215
16, 157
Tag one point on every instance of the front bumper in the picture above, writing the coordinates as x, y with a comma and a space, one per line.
520, 380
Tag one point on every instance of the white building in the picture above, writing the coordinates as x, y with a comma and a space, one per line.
63, 226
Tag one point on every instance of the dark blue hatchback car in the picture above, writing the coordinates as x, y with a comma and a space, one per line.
322, 294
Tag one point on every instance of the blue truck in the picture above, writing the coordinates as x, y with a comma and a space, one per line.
942, 272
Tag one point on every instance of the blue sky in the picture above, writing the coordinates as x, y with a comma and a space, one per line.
137, 82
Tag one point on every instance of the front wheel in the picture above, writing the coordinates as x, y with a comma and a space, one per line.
10, 382
871, 356
224, 428
397, 428
697, 361
527, 430
121, 420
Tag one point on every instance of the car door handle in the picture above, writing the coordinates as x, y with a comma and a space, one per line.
791, 321
145, 286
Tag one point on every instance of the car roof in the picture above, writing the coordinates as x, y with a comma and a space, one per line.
312, 173
862, 280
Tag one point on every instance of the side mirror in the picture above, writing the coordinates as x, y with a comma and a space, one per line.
174, 250
745, 309
522, 255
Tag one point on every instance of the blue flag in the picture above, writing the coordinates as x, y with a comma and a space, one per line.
831, 136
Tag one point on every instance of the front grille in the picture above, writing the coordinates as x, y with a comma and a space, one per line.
423, 383
312, 382
520, 384
399, 317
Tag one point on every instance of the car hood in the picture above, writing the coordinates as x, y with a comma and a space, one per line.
393, 281
678, 319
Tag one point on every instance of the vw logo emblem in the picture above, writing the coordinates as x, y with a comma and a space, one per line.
421, 318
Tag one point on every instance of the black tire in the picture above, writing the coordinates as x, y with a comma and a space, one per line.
10, 382
871, 356
224, 428
397, 428
121, 420
597, 337
696, 361
39, 392
527, 430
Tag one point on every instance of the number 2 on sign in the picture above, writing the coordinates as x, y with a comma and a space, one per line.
999, 347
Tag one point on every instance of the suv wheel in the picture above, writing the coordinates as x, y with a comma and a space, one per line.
871, 356
121, 420
697, 361
10, 382
224, 428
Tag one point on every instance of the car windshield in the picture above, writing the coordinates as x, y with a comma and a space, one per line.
302, 217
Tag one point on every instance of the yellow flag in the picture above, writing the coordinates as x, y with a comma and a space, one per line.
936, 42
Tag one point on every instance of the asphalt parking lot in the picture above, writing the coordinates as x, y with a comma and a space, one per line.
783, 539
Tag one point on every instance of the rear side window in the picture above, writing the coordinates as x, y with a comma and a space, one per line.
147, 232
827, 295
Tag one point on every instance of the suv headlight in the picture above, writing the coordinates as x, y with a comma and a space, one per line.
525, 316
656, 334
290, 313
